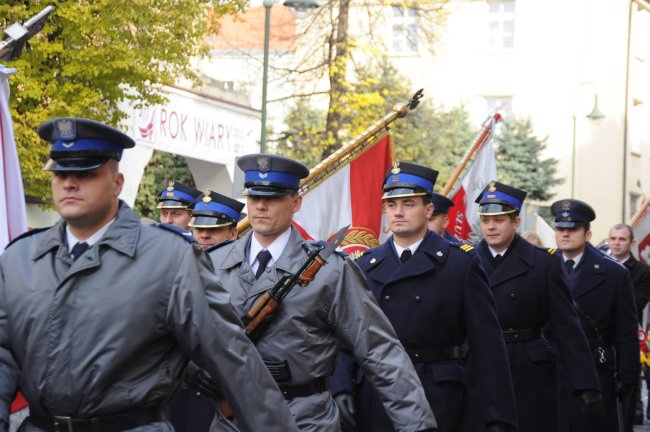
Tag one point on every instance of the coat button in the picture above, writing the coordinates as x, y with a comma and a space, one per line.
268, 269
417, 299
387, 297
513, 296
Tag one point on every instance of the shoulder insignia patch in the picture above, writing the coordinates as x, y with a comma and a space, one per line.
551, 251
27, 234
176, 230
466, 247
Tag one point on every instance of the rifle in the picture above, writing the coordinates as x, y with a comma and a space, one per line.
258, 317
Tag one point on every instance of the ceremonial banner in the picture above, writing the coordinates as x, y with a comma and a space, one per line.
350, 196
13, 216
462, 217
641, 226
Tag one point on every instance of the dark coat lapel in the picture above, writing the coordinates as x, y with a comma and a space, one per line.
518, 261
592, 272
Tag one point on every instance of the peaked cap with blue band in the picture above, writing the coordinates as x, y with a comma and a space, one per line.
177, 195
498, 198
80, 144
271, 175
571, 213
213, 210
408, 179
441, 203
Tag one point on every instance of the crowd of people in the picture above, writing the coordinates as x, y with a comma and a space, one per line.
108, 323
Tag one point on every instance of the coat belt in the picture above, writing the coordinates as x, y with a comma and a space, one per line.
523, 335
112, 423
426, 355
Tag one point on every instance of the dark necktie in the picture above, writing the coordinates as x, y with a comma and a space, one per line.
263, 258
406, 255
498, 259
78, 250
569, 266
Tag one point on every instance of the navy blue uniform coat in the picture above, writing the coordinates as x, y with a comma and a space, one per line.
439, 298
603, 290
531, 293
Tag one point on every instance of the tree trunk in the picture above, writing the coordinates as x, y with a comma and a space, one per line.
339, 53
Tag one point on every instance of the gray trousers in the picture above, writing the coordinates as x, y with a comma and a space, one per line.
152, 427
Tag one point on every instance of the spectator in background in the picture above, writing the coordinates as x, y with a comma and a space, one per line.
620, 241
532, 238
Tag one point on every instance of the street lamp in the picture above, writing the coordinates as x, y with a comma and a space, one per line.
299, 7
595, 115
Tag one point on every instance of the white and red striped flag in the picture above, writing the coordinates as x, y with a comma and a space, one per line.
13, 216
350, 196
463, 218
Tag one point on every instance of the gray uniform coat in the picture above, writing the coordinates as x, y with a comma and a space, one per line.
113, 330
335, 310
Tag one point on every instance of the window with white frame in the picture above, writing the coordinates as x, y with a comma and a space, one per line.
501, 24
405, 29
498, 103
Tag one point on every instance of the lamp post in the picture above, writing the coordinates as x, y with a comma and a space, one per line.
299, 7
594, 115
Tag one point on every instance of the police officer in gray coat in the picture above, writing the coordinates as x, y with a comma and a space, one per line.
336, 309
97, 322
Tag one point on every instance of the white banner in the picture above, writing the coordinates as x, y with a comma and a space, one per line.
13, 216
196, 126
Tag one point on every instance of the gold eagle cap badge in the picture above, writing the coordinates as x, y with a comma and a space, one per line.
170, 185
492, 187
206, 195
396, 169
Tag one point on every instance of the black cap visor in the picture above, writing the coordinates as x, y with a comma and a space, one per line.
494, 209
201, 221
569, 224
267, 191
401, 192
172, 204
75, 163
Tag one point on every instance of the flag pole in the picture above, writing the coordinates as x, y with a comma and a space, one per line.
348, 152
484, 135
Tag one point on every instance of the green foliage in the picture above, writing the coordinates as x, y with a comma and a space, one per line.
519, 160
428, 136
93, 54
162, 168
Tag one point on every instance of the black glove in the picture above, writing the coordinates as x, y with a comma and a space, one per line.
624, 389
345, 404
591, 404
500, 427
203, 382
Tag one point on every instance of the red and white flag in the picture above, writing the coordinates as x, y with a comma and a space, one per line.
463, 218
13, 217
352, 196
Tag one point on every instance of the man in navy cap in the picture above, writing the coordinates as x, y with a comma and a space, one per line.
436, 296
173, 203
439, 218
605, 302
214, 218
98, 318
531, 295
335, 310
